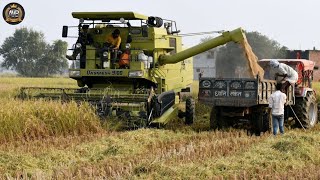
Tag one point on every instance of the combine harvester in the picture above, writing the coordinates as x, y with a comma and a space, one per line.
145, 80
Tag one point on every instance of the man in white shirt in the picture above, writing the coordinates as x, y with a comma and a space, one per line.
276, 103
285, 71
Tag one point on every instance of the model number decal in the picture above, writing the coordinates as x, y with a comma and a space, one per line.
105, 73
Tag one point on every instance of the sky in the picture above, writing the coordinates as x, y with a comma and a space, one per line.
293, 23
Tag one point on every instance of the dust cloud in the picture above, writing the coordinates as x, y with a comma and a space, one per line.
239, 61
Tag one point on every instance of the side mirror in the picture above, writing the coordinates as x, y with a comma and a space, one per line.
65, 31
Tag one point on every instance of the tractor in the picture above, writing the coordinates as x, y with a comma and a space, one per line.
244, 101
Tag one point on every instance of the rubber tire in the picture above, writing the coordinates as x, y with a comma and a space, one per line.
190, 111
215, 116
217, 121
302, 109
267, 121
80, 83
261, 120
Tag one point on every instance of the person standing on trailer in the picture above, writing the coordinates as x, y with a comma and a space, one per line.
288, 74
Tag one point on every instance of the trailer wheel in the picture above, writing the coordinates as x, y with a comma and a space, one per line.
307, 110
214, 117
190, 111
267, 121
261, 120
217, 120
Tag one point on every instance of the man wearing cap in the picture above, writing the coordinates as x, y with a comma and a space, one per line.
285, 71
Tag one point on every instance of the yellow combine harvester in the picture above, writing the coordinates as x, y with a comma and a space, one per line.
144, 80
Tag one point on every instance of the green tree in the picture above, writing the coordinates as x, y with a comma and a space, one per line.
54, 61
27, 53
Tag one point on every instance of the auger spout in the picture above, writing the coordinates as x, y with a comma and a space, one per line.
236, 35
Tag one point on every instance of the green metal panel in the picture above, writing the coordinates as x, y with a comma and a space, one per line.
109, 15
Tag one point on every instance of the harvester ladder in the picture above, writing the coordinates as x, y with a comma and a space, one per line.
159, 76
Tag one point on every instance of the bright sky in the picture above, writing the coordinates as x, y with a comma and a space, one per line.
293, 23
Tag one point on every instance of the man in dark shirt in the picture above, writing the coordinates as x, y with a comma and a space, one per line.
83, 40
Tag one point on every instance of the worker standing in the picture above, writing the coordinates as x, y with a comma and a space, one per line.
84, 39
276, 103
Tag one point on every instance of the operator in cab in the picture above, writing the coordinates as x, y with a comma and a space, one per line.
114, 40
112, 43
288, 74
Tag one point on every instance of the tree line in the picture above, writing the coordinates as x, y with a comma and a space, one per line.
27, 53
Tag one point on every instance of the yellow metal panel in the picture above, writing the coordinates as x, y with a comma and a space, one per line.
90, 57
136, 65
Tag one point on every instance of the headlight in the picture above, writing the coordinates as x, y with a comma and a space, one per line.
122, 20
105, 54
78, 45
136, 74
128, 46
74, 73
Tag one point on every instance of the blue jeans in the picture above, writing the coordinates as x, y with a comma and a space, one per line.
277, 121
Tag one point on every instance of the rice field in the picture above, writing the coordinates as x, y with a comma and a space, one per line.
54, 140
9, 86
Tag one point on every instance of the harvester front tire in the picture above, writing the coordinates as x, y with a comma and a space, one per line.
307, 110
190, 111
80, 83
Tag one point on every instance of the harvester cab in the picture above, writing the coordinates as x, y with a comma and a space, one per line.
134, 64
140, 78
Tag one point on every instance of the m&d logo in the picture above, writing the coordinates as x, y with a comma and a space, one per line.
13, 13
